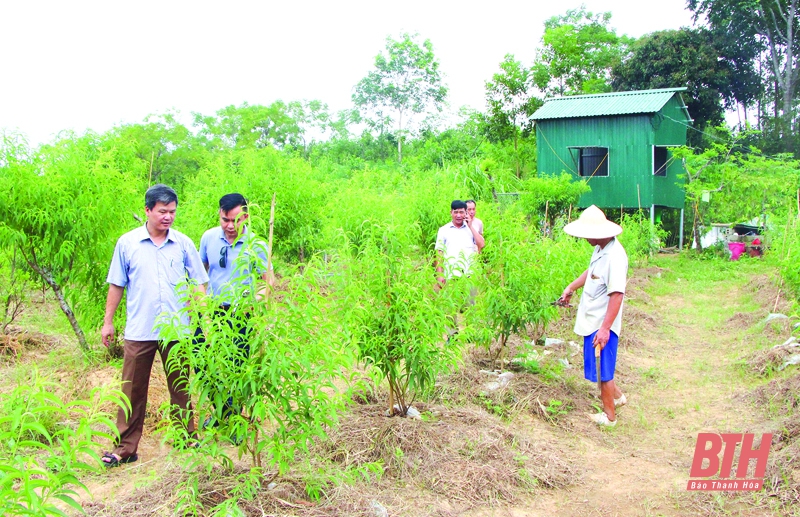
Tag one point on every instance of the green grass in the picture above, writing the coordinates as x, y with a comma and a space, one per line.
45, 317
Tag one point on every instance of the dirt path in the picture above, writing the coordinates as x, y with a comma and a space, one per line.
681, 377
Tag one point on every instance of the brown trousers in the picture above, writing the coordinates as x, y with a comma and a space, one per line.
136, 366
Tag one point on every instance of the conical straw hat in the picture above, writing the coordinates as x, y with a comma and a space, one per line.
592, 224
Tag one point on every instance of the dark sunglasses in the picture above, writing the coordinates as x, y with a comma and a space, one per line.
223, 257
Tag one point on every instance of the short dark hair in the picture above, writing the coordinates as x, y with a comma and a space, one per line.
230, 201
456, 204
468, 201
159, 193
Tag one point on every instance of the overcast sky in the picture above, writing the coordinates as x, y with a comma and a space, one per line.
92, 64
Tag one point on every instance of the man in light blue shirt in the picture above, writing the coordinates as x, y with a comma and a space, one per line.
221, 246
231, 254
151, 262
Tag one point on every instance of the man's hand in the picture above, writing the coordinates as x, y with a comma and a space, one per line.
565, 298
108, 333
112, 302
601, 338
468, 220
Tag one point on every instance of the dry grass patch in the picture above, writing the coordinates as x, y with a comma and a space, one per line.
16, 341
782, 479
449, 463
765, 362
743, 320
768, 293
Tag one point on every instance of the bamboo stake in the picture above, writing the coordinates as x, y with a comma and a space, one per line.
546, 207
569, 214
268, 288
269, 244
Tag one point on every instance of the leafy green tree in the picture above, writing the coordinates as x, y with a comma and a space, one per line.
510, 103
554, 195
523, 274
740, 185
258, 174
172, 150
578, 51
685, 57
769, 26
63, 207
283, 386
406, 81
397, 319
278, 125
442, 147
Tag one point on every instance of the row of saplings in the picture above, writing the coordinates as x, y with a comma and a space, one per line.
373, 308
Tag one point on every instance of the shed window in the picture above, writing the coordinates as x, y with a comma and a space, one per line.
593, 161
660, 160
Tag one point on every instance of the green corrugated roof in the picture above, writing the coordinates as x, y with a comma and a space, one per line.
602, 104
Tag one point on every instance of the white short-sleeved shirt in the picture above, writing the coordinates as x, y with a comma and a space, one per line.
458, 247
607, 273
478, 225
152, 274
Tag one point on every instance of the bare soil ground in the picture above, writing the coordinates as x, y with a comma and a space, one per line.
695, 356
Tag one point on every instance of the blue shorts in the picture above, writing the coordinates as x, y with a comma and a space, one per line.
608, 358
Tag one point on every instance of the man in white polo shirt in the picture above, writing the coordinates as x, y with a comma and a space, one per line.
599, 318
456, 243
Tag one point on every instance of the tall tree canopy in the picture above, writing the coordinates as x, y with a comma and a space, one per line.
510, 101
406, 81
172, 151
771, 27
578, 51
278, 125
684, 57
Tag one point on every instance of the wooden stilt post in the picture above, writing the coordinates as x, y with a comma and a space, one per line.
639, 197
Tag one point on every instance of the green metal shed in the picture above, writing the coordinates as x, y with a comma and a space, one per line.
619, 143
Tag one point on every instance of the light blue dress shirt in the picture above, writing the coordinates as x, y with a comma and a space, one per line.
211, 245
151, 274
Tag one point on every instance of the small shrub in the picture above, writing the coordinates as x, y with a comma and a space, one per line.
40, 464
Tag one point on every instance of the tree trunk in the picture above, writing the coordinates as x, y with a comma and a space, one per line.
400, 139
696, 228
62, 302
786, 79
790, 77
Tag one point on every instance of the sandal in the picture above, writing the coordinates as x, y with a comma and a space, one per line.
114, 462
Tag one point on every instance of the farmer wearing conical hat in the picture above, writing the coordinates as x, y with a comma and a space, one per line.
600, 310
